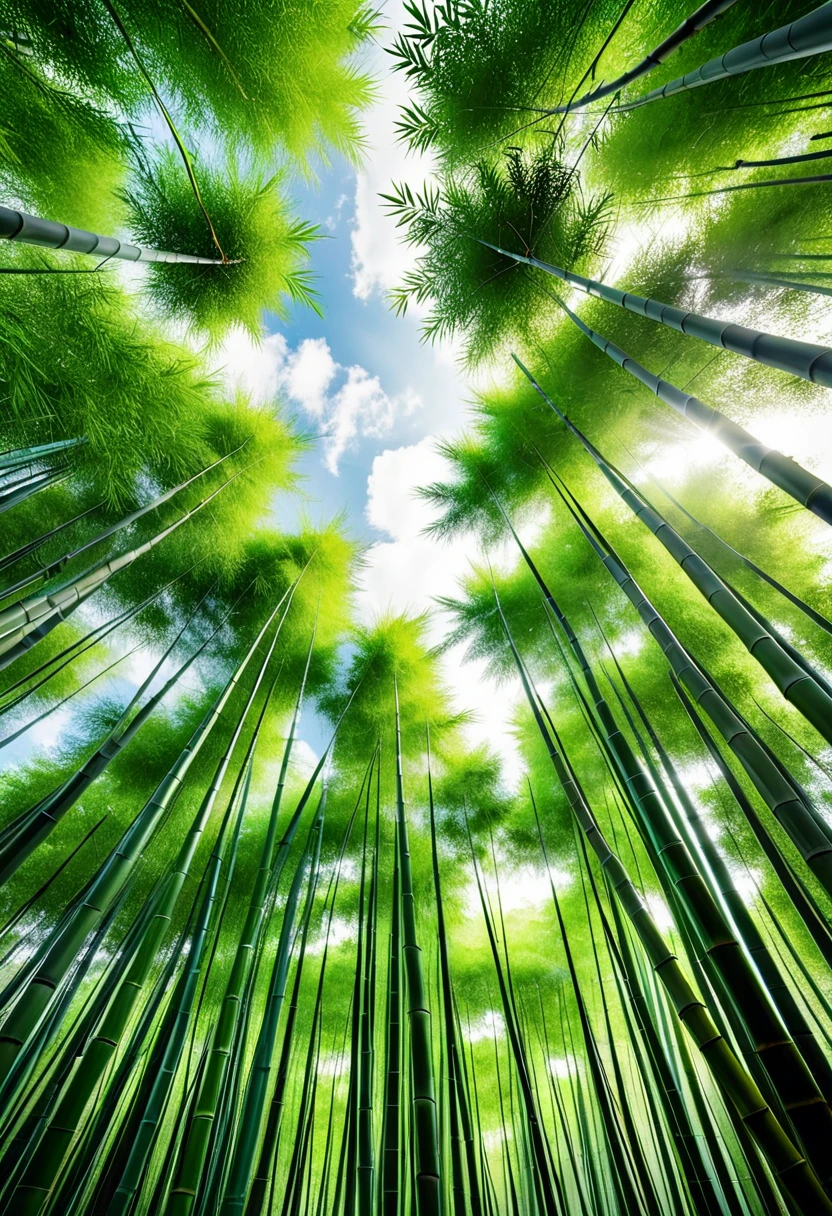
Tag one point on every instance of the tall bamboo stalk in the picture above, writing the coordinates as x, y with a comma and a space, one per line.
44, 611
789, 1166
809, 35
61, 946
427, 1161
702, 16
49, 234
244, 1152
779, 794
807, 489
805, 359
46, 1162
465, 1176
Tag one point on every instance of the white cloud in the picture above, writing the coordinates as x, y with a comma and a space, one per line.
251, 367
410, 570
379, 256
346, 403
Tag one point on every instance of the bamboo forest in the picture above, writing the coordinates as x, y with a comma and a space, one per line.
415, 608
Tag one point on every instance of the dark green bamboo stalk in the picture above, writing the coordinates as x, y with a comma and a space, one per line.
147, 1130
47, 609
795, 681
353, 1098
778, 988
425, 1124
263, 1179
702, 16
807, 489
365, 1163
465, 1178
80, 646
546, 1185
772, 1045
804, 359
780, 796
62, 945
47, 1160
49, 234
21, 837
244, 1151
389, 1197
15, 458
54, 567
630, 1195
33, 545
18, 491
209, 1099
816, 617
809, 35
789, 1166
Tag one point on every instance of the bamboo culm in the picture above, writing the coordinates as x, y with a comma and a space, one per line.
789, 1166
807, 489
809, 35
49, 234
805, 359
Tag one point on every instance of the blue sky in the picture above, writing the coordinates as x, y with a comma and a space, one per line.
362, 365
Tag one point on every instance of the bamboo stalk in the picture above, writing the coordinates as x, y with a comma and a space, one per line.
427, 1160
50, 234
779, 794
809, 35
21, 619
805, 359
788, 1165
702, 16
807, 489
244, 1151
61, 946
47, 1160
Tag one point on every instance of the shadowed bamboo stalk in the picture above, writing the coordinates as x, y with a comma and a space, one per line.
796, 681
809, 35
208, 1102
18, 491
816, 617
33, 545
805, 359
779, 990
31, 230
463, 1167
15, 458
47, 1160
427, 1161
44, 611
780, 795
80, 646
254, 1096
59, 949
391, 1140
55, 566
771, 1043
702, 16
790, 1168
807, 489
23, 835
544, 1181
147, 1130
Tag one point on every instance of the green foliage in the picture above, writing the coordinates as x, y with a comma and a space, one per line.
533, 202
266, 246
